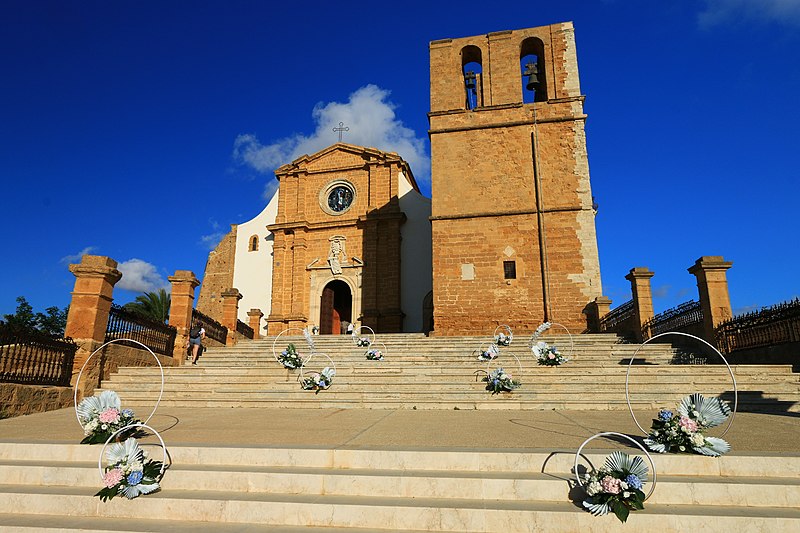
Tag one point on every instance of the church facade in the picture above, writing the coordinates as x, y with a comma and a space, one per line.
508, 236
345, 239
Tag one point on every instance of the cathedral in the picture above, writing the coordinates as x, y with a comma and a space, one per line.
508, 236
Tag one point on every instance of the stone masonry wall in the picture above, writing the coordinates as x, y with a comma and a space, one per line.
502, 174
17, 399
218, 276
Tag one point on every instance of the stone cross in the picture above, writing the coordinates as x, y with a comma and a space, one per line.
341, 129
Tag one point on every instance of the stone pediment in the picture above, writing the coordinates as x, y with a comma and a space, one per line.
339, 156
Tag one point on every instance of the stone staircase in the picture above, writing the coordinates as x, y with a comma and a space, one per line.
50, 487
444, 373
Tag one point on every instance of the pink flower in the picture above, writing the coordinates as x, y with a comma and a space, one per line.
688, 423
109, 415
551, 356
112, 477
610, 485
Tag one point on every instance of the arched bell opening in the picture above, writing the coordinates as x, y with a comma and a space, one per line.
532, 68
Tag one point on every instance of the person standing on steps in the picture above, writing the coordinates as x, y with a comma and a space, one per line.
196, 336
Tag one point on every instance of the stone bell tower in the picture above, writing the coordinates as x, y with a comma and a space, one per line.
513, 228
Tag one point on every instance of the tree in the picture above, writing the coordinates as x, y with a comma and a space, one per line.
152, 305
52, 322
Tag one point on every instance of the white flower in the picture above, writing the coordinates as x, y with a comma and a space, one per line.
697, 440
626, 494
682, 448
623, 485
594, 488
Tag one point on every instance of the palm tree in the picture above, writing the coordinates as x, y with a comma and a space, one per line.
153, 305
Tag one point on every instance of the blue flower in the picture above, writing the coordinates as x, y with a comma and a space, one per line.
127, 412
633, 481
665, 415
135, 477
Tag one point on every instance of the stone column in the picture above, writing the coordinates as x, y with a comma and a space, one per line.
712, 288
87, 320
230, 313
642, 298
184, 282
255, 322
595, 310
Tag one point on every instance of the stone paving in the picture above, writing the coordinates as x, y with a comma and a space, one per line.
750, 432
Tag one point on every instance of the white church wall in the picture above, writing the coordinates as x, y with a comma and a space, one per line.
417, 265
252, 270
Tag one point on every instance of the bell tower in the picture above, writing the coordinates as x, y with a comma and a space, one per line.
512, 219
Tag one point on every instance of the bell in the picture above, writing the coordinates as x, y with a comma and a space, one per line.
532, 71
469, 80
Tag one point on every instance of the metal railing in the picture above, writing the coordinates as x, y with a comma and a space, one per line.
777, 324
244, 329
123, 324
33, 358
214, 330
680, 318
614, 319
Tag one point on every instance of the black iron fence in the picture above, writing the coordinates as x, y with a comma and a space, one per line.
686, 318
617, 320
214, 330
34, 358
244, 329
777, 324
123, 324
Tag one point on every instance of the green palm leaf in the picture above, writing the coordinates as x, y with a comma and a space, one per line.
153, 305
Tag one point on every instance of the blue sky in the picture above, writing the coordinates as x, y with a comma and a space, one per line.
143, 130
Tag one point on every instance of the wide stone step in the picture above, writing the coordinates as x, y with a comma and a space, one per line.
514, 486
382, 513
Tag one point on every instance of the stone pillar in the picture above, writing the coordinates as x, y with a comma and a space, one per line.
594, 311
87, 320
255, 322
642, 298
184, 282
712, 288
230, 313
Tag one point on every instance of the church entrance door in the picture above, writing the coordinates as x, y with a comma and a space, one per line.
336, 308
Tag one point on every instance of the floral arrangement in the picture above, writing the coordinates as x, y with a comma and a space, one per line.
683, 431
102, 416
319, 381
617, 486
363, 342
500, 381
501, 339
488, 354
375, 355
548, 355
129, 472
541, 329
289, 358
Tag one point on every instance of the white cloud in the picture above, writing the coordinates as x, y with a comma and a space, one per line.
211, 240
372, 122
76, 258
661, 291
737, 12
140, 276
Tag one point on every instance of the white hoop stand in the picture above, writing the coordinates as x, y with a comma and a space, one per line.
357, 335
374, 345
506, 330
480, 349
605, 434
535, 339
78, 380
494, 361
275, 343
301, 377
730, 371
156, 433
